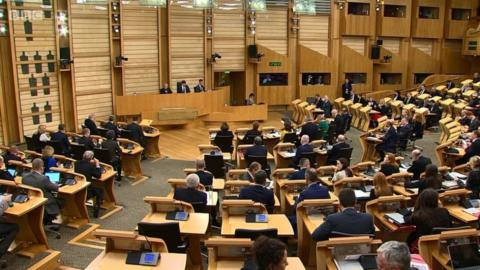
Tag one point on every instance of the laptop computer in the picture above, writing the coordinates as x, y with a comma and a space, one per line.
54, 177
465, 256
12, 172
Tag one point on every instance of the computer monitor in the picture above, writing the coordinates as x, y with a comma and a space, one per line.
465, 256
54, 177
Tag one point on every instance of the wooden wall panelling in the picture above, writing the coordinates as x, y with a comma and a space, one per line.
396, 65
187, 45
8, 98
229, 40
93, 65
314, 33
354, 62
428, 28
36, 82
272, 30
141, 47
452, 60
359, 25
455, 29
395, 26
425, 53
358, 44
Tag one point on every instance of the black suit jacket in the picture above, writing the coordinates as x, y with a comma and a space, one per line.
206, 178
136, 132
179, 89
409, 100
339, 123
91, 125
88, 169
165, 91
298, 175
418, 166
113, 148
472, 150
348, 221
256, 150
309, 129
63, 139
450, 85
404, 132
347, 91
112, 126
5, 175
190, 195
199, 88
259, 194
42, 182
327, 108
87, 142
389, 169
9, 156
305, 148
390, 140
334, 154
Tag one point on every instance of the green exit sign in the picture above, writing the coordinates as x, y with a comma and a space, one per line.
275, 64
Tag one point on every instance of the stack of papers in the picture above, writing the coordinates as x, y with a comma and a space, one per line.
472, 211
395, 218
449, 184
457, 175
361, 194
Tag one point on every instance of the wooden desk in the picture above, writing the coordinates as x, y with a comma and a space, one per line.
217, 183
131, 159
241, 164
31, 238
450, 200
152, 141
207, 149
212, 198
194, 228
233, 187
368, 144
283, 160
106, 183
275, 221
365, 118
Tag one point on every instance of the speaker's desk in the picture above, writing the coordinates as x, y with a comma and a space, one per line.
131, 158
152, 141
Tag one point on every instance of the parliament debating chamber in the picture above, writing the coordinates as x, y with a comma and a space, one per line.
240, 134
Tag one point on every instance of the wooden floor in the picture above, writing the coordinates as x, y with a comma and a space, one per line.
182, 142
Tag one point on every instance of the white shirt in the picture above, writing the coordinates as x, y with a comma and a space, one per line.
44, 137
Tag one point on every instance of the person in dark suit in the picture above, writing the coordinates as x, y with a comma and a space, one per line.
193, 192
36, 179
206, 177
199, 87
183, 88
90, 124
110, 125
435, 114
90, 168
471, 150
309, 128
347, 221
4, 175
305, 147
338, 122
61, 137
450, 85
136, 133
252, 169
419, 164
389, 165
13, 154
224, 133
326, 106
474, 124
304, 165
422, 89
254, 132
165, 89
258, 149
397, 96
347, 119
363, 100
115, 153
85, 140
404, 131
372, 103
473, 179
257, 192
8, 231
347, 89
427, 215
476, 77
334, 153
409, 99
389, 141
355, 98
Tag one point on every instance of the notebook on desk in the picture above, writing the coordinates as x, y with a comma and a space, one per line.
395, 218
464, 257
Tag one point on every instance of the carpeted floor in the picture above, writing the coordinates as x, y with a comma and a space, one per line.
135, 209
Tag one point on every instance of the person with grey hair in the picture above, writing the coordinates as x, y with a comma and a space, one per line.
393, 255
90, 124
389, 141
206, 177
304, 165
90, 168
336, 153
310, 128
193, 193
257, 150
304, 148
86, 140
419, 164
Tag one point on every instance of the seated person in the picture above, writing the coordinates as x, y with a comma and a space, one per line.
338, 123
349, 220
347, 119
258, 192
393, 255
41, 133
473, 179
199, 87
326, 106
419, 163
193, 192
304, 165
252, 169
136, 132
13, 154
323, 126
305, 147
381, 186
115, 153
309, 128
62, 138
36, 179
250, 100
4, 175
389, 141
471, 149
8, 231
269, 253
225, 132
110, 125
431, 179
389, 165
409, 99
165, 89
183, 88
257, 150
44, 136
48, 159
427, 215
90, 124
334, 154
287, 129
342, 170
404, 131
86, 140
254, 132
417, 127
90, 168
206, 177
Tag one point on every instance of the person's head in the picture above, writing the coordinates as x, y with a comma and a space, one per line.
416, 154
42, 129
254, 167
381, 184
111, 118
91, 116
224, 127
47, 151
475, 75
347, 80
476, 133
334, 113
165, 85
255, 125
37, 165
428, 199
200, 164
474, 162
200, 81
61, 127
110, 135
257, 140
304, 139
86, 132
431, 170
311, 175
269, 253
342, 164
13, 149
88, 155
341, 138
251, 96
192, 180
260, 177
404, 122
390, 159
287, 124
184, 82
347, 198
393, 255
389, 123
326, 98
304, 163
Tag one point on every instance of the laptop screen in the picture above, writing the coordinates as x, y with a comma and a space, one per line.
54, 177
465, 257
12, 172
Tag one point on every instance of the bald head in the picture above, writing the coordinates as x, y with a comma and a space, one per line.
200, 164
37, 165
416, 154
305, 139
341, 138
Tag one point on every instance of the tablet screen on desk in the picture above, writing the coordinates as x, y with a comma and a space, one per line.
12, 172
181, 216
54, 177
